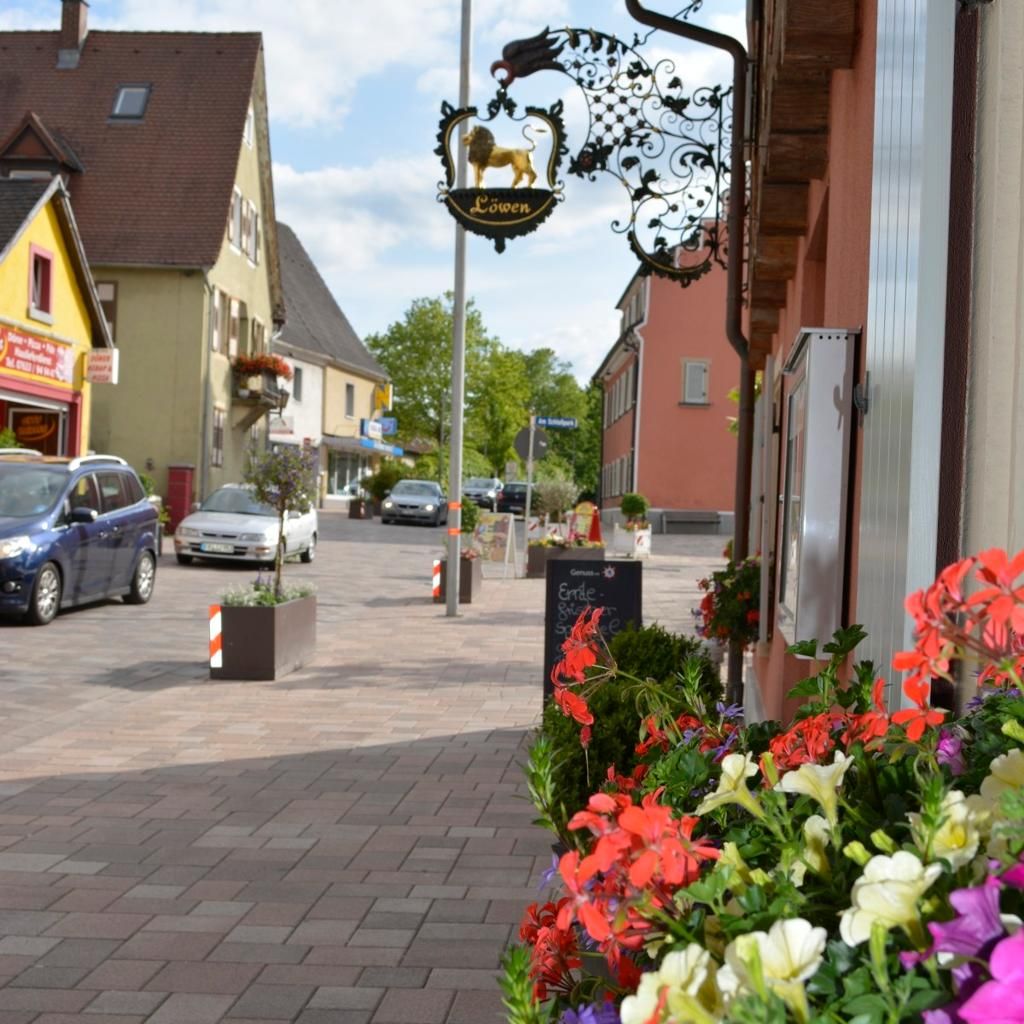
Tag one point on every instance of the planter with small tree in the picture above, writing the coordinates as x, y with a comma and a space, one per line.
379, 485
471, 575
634, 537
269, 629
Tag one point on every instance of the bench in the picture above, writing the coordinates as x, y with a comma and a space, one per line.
690, 521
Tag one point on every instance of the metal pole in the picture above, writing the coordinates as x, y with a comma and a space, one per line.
529, 482
458, 342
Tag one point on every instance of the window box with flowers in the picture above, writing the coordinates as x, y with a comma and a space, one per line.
730, 608
540, 552
633, 538
256, 380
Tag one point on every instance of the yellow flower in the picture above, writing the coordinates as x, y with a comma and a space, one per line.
956, 838
686, 977
1005, 772
732, 786
889, 891
781, 959
820, 782
814, 853
731, 858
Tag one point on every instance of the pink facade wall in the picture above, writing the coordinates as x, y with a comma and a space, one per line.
686, 455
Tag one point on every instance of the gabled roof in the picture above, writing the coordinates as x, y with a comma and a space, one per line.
20, 202
155, 191
315, 321
31, 139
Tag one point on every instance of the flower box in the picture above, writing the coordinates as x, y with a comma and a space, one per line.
360, 508
538, 555
471, 578
266, 642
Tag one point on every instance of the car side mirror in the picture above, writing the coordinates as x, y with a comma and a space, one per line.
82, 514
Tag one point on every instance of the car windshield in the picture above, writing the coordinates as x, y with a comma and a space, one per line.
415, 487
238, 500
515, 488
30, 490
480, 481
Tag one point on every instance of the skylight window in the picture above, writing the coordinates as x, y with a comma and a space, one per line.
131, 101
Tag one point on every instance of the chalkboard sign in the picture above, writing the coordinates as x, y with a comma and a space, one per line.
575, 585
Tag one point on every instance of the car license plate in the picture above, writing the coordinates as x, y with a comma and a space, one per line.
218, 549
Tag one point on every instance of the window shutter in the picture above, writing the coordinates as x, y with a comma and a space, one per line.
695, 383
233, 329
257, 236
215, 320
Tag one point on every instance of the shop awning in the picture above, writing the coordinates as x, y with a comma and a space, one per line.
360, 445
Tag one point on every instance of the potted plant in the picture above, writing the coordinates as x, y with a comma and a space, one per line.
471, 574
378, 485
571, 545
730, 607
633, 538
268, 629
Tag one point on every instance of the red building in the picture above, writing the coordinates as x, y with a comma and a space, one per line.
666, 405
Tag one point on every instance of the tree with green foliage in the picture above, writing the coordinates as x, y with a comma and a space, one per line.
417, 353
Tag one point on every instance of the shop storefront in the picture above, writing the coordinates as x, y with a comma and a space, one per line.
39, 400
349, 459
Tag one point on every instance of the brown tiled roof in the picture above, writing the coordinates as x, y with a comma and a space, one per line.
153, 192
17, 200
315, 321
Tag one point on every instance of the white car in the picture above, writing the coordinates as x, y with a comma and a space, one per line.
232, 525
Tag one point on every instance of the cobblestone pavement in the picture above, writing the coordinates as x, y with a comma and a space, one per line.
347, 845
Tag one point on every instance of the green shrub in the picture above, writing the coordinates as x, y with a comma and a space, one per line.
378, 485
470, 515
8, 438
634, 506
648, 652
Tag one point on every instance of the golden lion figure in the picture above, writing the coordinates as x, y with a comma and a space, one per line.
484, 153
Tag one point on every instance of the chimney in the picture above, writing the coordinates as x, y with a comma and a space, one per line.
73, 29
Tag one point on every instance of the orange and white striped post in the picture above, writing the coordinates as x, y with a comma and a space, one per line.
216, 651
436, 579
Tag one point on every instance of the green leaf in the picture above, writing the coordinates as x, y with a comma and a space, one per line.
804, 649
806, 688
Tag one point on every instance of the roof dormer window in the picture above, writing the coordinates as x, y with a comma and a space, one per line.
130, 102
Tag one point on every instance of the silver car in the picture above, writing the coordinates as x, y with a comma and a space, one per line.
484, 491
232, 524
418, 501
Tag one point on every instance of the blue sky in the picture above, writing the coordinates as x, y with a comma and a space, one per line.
355, 90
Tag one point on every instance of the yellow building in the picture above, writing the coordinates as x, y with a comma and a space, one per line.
53, 335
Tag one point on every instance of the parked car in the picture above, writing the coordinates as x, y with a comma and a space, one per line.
419, 501
513, 499
72, 530
231, 524
483, 490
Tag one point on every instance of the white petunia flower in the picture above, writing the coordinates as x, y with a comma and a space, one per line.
820, 782
957, 837
889, 892
732, 786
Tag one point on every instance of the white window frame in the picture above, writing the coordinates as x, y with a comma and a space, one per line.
690, 366
350, 400
234, 327
235, 219
215, 301
248, 131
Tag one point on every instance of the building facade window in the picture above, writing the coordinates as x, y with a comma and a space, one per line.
107, 294
296, 383
40, 284
217, 440
235, 219
350, 401
695, 382
257, 336
250, 124
234, 327
130, 102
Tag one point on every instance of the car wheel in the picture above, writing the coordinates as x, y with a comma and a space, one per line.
142, 580
45, 602
309, 554
184, 559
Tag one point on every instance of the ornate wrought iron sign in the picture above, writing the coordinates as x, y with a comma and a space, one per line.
517, 206
668, 148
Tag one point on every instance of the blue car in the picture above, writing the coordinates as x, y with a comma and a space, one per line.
72, 531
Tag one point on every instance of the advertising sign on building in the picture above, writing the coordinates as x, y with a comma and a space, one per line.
388, 425
27, 355
102, 365
371, 429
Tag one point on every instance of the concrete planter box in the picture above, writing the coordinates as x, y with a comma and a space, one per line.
631, 543
471, 578
266, 643
538, 555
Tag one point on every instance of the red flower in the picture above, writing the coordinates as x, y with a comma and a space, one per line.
921, 717
807, 741
573, 705
580, 649
554, 953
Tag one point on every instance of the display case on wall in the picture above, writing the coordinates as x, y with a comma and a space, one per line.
818, 397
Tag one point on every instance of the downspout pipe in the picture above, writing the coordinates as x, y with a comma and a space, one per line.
734, 288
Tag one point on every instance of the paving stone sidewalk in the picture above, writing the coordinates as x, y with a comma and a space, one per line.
348, 845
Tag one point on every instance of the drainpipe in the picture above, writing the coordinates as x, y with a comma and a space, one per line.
734, 293
638, 348
204, 419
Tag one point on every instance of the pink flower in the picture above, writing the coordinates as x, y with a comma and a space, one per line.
1001, 1000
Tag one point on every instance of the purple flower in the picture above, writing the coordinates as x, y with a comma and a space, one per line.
950, 752
977, 926
1015, 876
721, 751
729, 712
1001, 1000
549, 874
593, 1013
